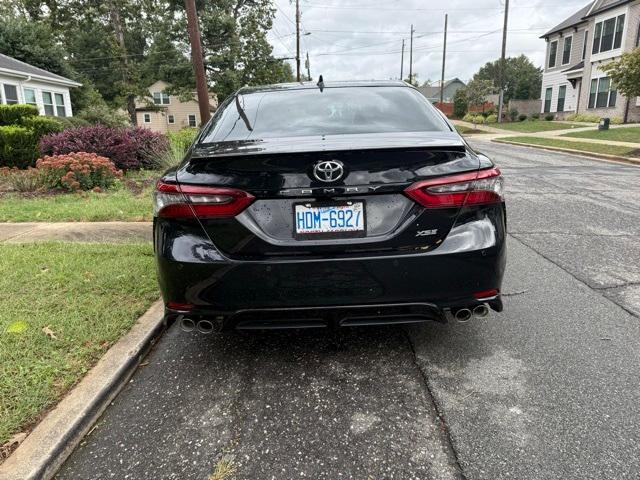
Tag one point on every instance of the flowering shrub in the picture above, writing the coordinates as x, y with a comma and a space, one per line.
78, 171
127, 148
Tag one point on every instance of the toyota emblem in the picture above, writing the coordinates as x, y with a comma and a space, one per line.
328, 171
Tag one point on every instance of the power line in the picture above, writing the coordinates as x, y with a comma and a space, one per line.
432, 32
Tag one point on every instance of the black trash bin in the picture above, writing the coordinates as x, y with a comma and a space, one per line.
604, 123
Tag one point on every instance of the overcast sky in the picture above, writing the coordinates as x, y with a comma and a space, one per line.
362, 39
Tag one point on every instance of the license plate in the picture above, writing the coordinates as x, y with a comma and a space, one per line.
329, 220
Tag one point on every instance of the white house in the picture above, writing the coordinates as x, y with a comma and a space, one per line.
24, 83
573, 80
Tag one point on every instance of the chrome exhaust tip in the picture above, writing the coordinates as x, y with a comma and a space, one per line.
481, 311
187, 325
463, 315
205, 326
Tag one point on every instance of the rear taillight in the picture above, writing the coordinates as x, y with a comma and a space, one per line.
183, 201
474, 188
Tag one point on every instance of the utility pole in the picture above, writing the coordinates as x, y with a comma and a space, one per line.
411, 57
402, 60
502, 60
444, 57
298, 40
308, 65
196, 60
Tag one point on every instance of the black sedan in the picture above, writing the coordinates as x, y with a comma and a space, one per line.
343, 204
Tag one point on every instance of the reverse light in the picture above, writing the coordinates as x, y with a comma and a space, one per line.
183, 201
481, 187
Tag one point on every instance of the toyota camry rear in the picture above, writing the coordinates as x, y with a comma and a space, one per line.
350, 204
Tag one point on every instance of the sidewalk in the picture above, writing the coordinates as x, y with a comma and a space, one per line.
100, 232
496, 133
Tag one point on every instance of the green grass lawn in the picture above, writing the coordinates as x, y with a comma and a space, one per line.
626, 134
534, 126
462, 130
88, 295
582, 146
129, 201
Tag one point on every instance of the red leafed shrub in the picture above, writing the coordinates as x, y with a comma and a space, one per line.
127, 148
78, 171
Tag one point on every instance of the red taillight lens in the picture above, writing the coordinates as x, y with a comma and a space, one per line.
486, 294
180, 201
474, 188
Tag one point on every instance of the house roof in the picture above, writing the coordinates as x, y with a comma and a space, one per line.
602, 6
575, 19
577, 66
12, 66
433, 91
592, 8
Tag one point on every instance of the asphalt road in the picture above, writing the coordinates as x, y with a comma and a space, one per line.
550, 388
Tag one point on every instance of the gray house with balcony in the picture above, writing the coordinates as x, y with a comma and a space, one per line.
573, 80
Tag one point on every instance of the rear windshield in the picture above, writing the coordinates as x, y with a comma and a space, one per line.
334, 111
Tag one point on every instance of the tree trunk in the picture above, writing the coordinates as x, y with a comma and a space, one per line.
116, 22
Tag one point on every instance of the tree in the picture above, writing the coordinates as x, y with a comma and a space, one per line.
236, 50
122, 46
477, 91
413, 80
625, 74
35, 43
460, 103
522, 80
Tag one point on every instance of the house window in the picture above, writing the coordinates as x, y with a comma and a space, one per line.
171, 119
30, 96
192, 120
602, 94
566, 50
584, 45
47, 102
596, 38
608, 29
147, 118
562, 93
161, 98
10, 94
60, 110
608, 34
547, 99
617, 40
553, 50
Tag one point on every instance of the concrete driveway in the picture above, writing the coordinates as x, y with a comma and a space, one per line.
549, 388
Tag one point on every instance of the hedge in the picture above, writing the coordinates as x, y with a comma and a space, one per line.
18, 146
42, 126
13, 114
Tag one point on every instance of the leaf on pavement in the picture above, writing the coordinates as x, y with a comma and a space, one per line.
11, 444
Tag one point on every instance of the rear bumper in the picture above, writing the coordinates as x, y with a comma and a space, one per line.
194, 276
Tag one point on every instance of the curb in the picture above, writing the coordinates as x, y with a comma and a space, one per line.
50, 443
582, 153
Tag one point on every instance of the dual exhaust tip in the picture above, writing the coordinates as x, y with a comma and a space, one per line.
203, 326
464, 314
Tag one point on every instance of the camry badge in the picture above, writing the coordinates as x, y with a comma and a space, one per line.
328, 171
